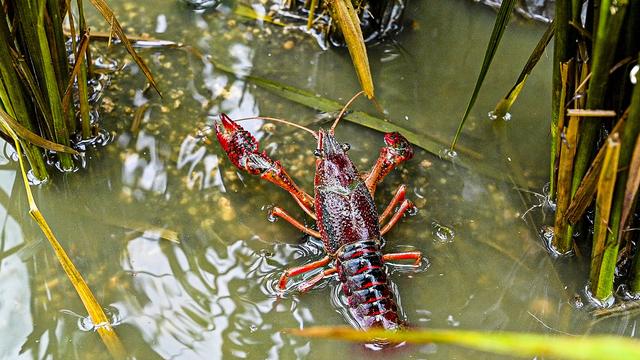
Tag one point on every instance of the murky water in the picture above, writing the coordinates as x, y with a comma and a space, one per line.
180, 249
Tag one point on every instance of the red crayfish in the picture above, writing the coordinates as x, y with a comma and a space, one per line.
346, 216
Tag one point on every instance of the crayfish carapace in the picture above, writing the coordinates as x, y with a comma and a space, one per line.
346, 217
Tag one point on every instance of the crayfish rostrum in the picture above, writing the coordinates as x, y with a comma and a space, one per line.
346, 217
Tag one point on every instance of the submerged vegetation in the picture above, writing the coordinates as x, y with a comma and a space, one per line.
48, 86
47, 92
595, 129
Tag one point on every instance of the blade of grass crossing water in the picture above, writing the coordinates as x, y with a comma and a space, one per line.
506, 343
603, 251
345, 16
103, 327
504, 14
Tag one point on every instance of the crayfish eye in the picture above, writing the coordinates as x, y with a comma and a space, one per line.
317, 153
346, 147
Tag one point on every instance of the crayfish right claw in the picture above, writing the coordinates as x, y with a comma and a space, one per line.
242, 149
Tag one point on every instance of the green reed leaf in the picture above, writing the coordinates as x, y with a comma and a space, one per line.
504, 14
504, 105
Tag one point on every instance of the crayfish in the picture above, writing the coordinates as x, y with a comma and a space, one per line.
346, 217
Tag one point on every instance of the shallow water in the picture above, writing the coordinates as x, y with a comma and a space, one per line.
180, 249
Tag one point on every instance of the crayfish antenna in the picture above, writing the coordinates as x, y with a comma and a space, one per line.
315, 135
344, 109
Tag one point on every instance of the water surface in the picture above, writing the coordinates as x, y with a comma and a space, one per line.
178, 246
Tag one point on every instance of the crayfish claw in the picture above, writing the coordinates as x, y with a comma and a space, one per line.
398, 146
242, 149
258, 163
227, 123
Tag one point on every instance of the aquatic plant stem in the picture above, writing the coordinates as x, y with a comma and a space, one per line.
562, 50
562, 240
604, 252
14, 99
83, 93
634, 116
609, 25
53, 93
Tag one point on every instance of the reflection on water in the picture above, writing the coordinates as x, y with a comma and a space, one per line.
178, 244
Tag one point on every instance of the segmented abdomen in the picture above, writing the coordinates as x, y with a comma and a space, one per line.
364, 281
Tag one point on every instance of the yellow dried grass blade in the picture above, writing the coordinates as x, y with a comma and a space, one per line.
529, 345
601, 283
98, 317
561, 240
247, 11
587, 189
34, 138
345, 16
108, 15
312, 13
633, 184
79, 56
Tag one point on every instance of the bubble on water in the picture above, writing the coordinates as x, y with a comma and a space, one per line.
424, 315
253, 328
86, 324
265, 253
493, 116
546, 232
577, 302
448, 153
271, 217
201, 5
453, 322
443, 234
412, 211
11, 153
104, 63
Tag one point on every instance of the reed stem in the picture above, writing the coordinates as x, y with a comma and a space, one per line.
562, 52
606, 40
